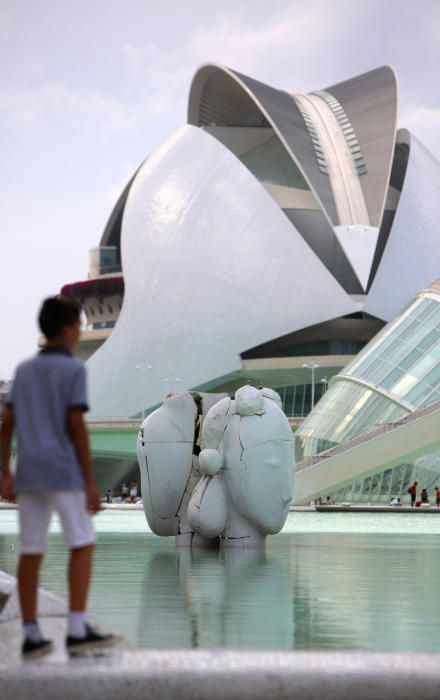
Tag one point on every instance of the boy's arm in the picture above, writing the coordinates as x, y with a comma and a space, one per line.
6, 432
80, 439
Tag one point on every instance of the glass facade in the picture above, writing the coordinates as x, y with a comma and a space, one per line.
404, 360
104, 260
397, 373
297, 399
383, 486
346, 411
103, 324
270, 162
322, 347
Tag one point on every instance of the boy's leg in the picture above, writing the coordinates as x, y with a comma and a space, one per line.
28, 573
80, 570
79, 537
35, 510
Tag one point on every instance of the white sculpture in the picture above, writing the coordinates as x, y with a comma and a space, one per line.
232, 481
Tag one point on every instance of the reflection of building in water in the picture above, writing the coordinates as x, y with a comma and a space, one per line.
323, 590
163, 605
396, 374
234, 599
363, 591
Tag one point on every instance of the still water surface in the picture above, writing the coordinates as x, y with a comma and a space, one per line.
328, 581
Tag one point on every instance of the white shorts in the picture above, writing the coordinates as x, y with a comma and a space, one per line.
35, 511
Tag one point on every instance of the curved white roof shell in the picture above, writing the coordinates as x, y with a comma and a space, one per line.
232, 233
369, 102
411, 259
211, 268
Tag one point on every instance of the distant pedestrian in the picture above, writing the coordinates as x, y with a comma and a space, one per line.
437, 496
134, 491
413, 493
108, 496
424, 498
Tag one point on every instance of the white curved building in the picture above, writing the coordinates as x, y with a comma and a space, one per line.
270, 232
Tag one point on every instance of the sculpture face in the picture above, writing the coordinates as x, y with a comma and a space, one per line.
266, 485
258, 470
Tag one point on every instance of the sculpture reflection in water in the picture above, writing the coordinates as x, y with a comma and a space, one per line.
230, 598
216, 469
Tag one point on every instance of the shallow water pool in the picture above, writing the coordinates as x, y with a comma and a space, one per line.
329, 581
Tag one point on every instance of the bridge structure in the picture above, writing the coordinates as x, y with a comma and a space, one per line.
379, 449
113, 439
113, 450
117, 439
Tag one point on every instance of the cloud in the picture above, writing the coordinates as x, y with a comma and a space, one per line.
159, 88
167, 80
21, 106
26, 106
284, 45
286, 38
160, 79
288, 44
133, 58
285, 49
114, 189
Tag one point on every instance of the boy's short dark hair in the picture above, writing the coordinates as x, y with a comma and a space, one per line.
57, 312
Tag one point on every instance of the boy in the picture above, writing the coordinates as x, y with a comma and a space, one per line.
46, 406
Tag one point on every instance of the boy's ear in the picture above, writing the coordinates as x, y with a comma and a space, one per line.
70, 327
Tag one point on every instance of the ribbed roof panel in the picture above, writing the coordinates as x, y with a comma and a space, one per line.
224, 103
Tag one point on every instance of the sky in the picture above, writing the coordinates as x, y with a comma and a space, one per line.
89, 88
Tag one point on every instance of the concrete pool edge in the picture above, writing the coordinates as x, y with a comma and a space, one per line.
218, 674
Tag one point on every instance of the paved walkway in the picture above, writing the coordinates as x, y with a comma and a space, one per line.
221, 675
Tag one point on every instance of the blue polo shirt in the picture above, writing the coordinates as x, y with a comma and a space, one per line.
44, 389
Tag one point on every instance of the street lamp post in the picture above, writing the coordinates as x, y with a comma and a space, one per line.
143, 369
172, 382
312, 366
